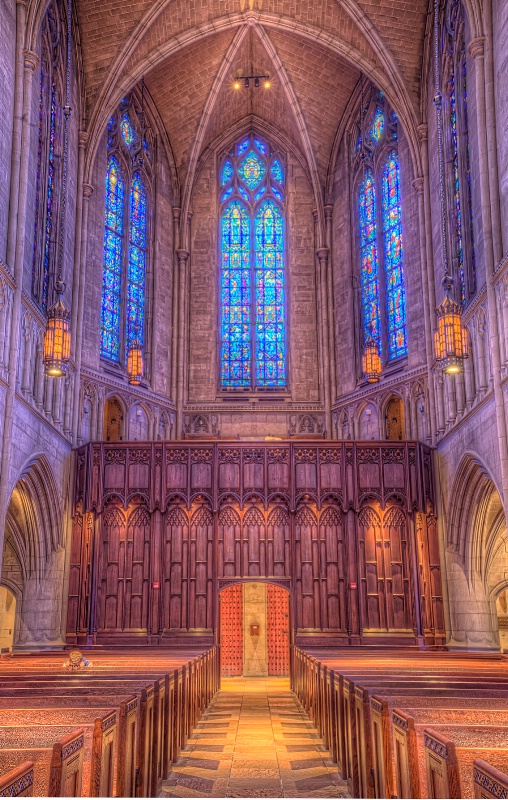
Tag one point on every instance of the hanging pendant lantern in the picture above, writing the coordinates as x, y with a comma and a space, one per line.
450, 339
372, 366
57, 338
135, 363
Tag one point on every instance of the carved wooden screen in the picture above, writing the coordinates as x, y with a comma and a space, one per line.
278, 630
255, 545
229, 543
231, 630
384, 570
174, 605
124, 571
332, 569
201, 569
307, 591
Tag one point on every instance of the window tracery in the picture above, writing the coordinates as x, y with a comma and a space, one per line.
380, 237
252, 242
48, 176
126, 232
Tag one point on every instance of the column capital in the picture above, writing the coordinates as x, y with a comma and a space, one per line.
30, 59
322, 253
87, 190
418, 184
177, 213
423, 131
183, 255
477, 47
82, 138
315, 215
328, 210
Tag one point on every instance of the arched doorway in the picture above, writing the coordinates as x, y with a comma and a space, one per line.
477, 561
7, 618
33, 563
254, 627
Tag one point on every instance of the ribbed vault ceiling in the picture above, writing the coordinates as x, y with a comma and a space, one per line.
189, 51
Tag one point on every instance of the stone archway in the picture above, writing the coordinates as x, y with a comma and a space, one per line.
477, 558
33, 560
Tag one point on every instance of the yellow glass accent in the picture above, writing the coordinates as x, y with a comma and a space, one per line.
135, 364
450, 339
372, 366
57, 341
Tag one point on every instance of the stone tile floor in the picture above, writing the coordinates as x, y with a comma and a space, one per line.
255, 740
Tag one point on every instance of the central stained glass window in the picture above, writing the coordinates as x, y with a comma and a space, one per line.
253, 307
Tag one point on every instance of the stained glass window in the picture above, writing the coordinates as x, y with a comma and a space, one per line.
270, 305
136, 273
252, 170
236, 302
48, 177
123, 319
393, 259
253, 324
112, 269
128, 132
456, 191
369, 273
378, 125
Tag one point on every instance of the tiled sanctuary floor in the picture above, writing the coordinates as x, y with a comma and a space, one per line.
255, 741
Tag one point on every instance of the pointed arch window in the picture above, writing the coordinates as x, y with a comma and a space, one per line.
48, 175
458, 144
252, 241
380, 238
126, 234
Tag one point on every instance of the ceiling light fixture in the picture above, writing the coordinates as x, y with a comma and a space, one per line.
246, 80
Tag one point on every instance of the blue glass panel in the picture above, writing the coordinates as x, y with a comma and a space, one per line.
244, 194
261, 146
38, 183
270, 305
369, 274
259, 194
242, 147
136, 272
252, 170
277, 194
128, 132
277, 171
226, 194
227, 173
378, 125
235, 297
465, 101
50, 196
112, 268
394, 259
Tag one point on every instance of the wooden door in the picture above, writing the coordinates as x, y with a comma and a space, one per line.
231, 630
278, 630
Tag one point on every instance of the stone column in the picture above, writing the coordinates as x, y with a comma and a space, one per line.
322, 254
31, 60
490, 120
428, 313
331, 303
476, 49
17, 126
87, 190
183, 257
174, 304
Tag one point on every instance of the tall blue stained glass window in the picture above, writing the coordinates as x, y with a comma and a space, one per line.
136, 273
270, 305
369, 270
253, 306
124, 282
236, 296
381, 255
393, 258
460, 199
113, 258
49, 165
